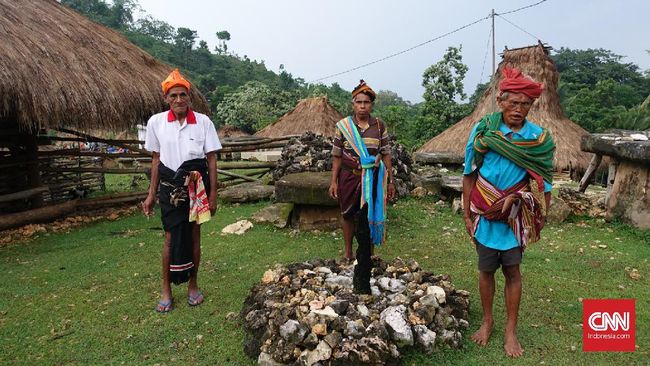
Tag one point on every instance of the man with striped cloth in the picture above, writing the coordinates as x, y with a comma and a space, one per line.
506, 193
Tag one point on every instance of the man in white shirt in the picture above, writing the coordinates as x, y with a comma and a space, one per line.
184, 178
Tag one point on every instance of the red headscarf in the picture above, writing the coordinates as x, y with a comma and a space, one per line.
516, 82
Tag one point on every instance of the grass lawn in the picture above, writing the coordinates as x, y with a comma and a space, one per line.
87, 297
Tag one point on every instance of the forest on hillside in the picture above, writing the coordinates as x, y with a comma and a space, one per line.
597, 89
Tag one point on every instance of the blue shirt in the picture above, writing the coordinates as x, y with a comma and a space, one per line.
503, 174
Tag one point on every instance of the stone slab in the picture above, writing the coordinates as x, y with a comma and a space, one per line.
277, 214
273, 155
309, 217
307, 188
620, 145
439, 158
246, 192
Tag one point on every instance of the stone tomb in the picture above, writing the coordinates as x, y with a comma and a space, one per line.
307, 314
313, 208
628, 188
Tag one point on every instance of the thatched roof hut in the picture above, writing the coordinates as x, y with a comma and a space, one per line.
313, 114
57, 68
546, 111
60, 70
231, 131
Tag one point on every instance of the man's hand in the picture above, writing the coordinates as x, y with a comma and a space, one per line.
333, 190
507, 203
469, 225
212, 200
377, 160
148, 205
391, 191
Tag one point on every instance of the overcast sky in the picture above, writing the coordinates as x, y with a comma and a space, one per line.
314, 39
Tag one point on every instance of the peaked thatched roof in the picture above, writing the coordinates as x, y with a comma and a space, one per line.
313, 114
231, 131
57, 68
546, 112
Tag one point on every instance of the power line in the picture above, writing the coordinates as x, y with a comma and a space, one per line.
520, 28
423, 43
522, 8
401, 52
487, 49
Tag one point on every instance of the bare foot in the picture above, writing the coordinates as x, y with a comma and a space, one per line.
482, 335
511, 345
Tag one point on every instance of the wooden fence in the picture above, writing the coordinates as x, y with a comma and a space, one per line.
71, 164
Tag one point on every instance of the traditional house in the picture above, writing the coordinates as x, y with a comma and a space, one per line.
60, 70
546, 112
313, 114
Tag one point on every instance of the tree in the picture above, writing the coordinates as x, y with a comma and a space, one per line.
222, 47
184, 41
96, 10
117, 16
596, 109
443, 85
156, 29
400, 120
337, 96
596, 86
387, 98
478, 93
254, 105
121, 14
637, 118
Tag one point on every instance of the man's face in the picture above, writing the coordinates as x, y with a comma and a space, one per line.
178, 99
515, 108
362, 105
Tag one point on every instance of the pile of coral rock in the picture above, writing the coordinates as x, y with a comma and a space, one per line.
307, 153
312, 153
307, 314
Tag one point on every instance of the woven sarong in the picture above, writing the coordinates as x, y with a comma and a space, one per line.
523, 203
174, 199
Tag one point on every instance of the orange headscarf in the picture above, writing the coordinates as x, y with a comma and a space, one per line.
516, 82
365, 89
174, 79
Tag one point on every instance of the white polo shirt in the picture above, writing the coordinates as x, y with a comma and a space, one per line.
177, 142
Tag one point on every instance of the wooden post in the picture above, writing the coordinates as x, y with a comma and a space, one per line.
33, 173
611, 176
589, 174
240, 176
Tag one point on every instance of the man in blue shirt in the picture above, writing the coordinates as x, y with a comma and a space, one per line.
506, 190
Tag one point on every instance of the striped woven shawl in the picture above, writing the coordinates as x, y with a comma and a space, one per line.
534, 155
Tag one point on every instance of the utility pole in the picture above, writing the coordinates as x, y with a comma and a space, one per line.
494, 70
493, 46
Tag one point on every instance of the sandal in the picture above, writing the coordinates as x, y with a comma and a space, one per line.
195, 300
165, 306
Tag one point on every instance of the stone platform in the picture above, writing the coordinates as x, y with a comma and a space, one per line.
628, 189
313, 209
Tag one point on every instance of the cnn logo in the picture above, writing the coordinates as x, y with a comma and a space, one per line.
601, 321
608, 325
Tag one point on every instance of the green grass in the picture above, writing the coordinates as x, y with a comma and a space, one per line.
86, 297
